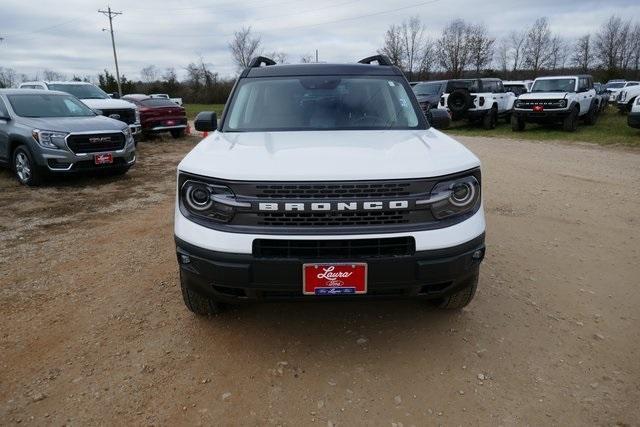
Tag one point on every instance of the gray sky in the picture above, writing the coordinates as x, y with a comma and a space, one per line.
66, 35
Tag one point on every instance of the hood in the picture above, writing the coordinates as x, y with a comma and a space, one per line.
73, 124
328, 155
107, 103
543, 95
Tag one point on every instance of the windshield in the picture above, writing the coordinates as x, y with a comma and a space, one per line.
554, 85
80, 91
321, 103
48, 106
615, 85
517, 89
424, 89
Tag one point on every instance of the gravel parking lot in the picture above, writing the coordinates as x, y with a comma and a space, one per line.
94, 329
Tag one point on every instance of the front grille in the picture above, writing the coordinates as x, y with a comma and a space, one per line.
334, 249
96, 143
530, 103
127, 115
333, 219
332, 191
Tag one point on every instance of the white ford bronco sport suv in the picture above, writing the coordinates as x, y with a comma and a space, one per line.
95, 98
560, 99
325, 181
479, 100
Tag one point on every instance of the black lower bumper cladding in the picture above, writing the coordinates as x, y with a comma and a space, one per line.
245, 277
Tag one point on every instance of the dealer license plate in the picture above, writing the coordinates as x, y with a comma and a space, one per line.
101, 159
334, 279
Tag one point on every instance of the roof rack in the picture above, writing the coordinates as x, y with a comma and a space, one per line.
258, 61
380, 59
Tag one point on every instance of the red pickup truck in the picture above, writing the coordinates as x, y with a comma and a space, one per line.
159, 115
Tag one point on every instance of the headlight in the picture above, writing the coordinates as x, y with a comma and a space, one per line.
49, 139
208, 201
127, 133
638, 101
137, 115
455, 197
518, 103
623, 95
563, 103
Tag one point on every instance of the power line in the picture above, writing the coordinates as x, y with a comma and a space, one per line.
111, 14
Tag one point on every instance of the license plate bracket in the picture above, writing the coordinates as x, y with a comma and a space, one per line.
103, 159
345, 278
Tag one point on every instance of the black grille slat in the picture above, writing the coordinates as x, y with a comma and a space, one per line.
334, 249
333, 219
127, 115
96, 143
325, 191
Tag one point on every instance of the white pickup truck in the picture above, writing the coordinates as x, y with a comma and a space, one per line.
166, 96
95, 98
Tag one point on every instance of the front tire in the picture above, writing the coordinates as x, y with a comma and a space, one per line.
177, 133
569, 123
591, 116
199, 304
26, 170
517, 123
461, 298
490, 119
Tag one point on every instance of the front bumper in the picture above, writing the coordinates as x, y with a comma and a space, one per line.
65, 161
244, 277
633, 120
543, 116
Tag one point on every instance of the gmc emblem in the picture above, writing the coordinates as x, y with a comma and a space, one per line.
332, 206
97, 140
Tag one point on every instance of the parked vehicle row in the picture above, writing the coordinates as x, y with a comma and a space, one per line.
564, 100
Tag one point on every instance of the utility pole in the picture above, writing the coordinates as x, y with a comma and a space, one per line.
108, 13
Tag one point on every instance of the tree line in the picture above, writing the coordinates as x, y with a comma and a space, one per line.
462, 49
468, 49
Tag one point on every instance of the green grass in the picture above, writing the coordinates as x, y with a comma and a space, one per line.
193, 109
611, 128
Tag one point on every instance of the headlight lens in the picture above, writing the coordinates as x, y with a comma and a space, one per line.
518, 103
463, 196
638, 101
563, 103
137, 115
127, 133
207, 201
49, 139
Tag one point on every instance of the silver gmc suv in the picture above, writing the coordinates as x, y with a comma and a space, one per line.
45, 132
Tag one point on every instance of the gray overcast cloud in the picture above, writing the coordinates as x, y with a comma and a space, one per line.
66, 35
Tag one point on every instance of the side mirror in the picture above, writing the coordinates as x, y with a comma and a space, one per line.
438, 118
206, 121
115, 95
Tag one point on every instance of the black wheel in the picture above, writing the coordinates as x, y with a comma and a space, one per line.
199, 304
490, 119
461, 298
517, 123
591, 117
570, 122
177, 133
26, 170
507, 118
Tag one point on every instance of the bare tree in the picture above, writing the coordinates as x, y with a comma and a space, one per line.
557, 53
583, 53
51, 75
480, 47
170, 75
307, 58
635, 48
8, 77
149, 74
393, 46
199, 74
609, 43
279, 57
453, 48
517, 41
538, 46
412, 38
244, 47
427, 58
503, 51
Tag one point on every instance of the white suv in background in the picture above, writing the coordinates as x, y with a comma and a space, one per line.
557, 99
95, 98
614, 89
478, 100
627, 97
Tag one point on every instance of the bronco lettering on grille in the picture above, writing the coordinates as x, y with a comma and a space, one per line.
332, 206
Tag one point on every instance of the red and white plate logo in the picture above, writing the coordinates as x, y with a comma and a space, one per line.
335, 279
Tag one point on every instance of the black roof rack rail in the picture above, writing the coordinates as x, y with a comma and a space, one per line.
380, 59
259, 60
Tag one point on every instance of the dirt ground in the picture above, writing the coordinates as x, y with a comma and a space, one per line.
93, 329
